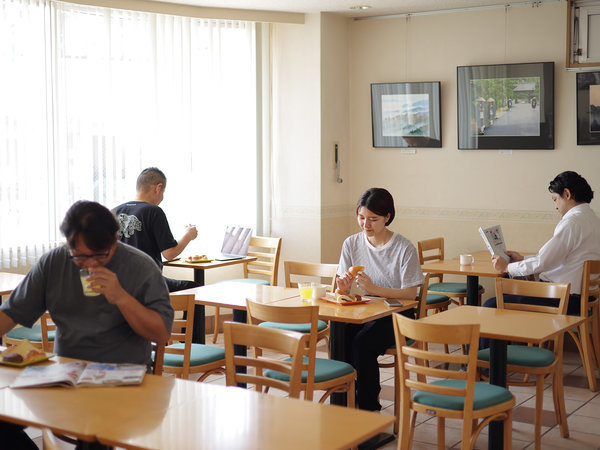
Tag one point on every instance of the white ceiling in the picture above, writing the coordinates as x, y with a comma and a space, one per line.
378, 7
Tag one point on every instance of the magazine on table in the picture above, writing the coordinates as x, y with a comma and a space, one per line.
80, 374
494, 240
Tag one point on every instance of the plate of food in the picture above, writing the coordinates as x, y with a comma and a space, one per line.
23, 354
346, 299
196, 259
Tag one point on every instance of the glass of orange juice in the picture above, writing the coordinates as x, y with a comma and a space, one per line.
306, 290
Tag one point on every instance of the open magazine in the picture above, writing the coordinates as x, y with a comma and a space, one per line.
79, 374
494, 240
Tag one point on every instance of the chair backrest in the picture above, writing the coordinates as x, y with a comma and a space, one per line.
258, 312
431, 250
266, 250
159, 358
46, 325
281, 341
538, 289
304, 271
182, 329
421, 310
432, 361
48, 440
590, 285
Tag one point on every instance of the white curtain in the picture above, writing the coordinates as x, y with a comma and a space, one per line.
90, 96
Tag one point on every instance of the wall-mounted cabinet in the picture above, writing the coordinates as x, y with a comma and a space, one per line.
583, 34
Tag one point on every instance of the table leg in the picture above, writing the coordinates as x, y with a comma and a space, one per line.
240, 315
473, 290
337, 349
199, 333
498, 378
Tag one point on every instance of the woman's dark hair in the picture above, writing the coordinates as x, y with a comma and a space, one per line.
575, 183
379, 201
96, 224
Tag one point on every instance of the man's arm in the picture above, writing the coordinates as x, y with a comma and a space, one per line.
144, 321
190, 234
6, 323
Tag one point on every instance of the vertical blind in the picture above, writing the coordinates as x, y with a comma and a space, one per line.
90, 96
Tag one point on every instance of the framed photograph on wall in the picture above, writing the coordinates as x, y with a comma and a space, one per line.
406, 114
588, 108
506, 106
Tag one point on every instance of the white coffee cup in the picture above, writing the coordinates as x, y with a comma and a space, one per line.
466, 260
319, 290
87, 287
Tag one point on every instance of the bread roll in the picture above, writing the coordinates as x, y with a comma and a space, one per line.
355, 269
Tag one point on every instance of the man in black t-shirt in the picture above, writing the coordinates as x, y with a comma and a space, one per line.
144, 224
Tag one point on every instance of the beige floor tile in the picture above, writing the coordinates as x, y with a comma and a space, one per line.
576, 441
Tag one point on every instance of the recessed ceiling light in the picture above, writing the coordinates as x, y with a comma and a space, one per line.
360, 7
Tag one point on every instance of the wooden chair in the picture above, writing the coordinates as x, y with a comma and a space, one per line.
589, 346
540, 362
329, 375
271, 340
181, 356
48, 440
419, 312
295, 271
40, 334
433, 250
263, 270
451, 392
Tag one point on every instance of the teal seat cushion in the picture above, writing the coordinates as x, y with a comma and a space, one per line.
486, 395
298, 327
33, 334
451, 288
522, 355
434, 299
250, 280
200, 354
325, 369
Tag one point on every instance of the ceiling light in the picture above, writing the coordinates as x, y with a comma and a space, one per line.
360, 7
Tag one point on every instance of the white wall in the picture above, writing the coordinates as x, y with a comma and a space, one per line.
438, 192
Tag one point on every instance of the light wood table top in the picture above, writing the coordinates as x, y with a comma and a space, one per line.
219, 417
233, 294
361, 313
209, 265
169, 413
506, 324
9, 281
481, 267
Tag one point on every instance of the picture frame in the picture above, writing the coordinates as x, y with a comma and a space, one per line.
506, 106
406, 114
588, 108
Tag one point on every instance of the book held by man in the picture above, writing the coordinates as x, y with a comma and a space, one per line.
80, 374
494, 240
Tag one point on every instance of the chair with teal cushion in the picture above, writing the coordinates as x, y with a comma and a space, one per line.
181, 356
40, 334
319, 374
530, 360
420, 311
319, 273
432, 250
266, 250
433, 383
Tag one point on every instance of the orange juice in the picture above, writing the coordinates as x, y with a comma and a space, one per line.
306, 292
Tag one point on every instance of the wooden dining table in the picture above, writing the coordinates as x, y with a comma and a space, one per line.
200, 268
501, 326
170, 413
481, 267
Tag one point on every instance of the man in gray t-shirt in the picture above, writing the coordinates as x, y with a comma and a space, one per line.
118, 325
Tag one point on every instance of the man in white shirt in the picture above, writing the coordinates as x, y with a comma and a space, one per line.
576, 239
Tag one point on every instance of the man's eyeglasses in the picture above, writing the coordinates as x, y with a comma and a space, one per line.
97, 256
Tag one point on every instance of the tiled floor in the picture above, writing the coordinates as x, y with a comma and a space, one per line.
582, 405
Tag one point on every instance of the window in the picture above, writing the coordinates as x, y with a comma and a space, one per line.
94, 95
